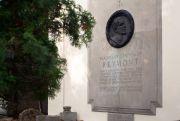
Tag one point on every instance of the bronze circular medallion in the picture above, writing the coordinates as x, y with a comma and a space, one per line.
120, 28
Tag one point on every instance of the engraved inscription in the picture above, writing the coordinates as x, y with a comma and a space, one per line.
121, 73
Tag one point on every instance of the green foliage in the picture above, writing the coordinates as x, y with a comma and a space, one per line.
29, 59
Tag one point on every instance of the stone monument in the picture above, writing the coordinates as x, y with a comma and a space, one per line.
67, 115
125, 58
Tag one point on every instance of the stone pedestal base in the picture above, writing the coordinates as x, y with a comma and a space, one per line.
47, 118
120, 117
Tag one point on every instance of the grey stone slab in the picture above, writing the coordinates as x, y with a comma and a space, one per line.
120, 117
47, 118
69, 116
128, 79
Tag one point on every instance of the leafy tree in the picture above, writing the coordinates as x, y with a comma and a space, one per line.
29, 59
